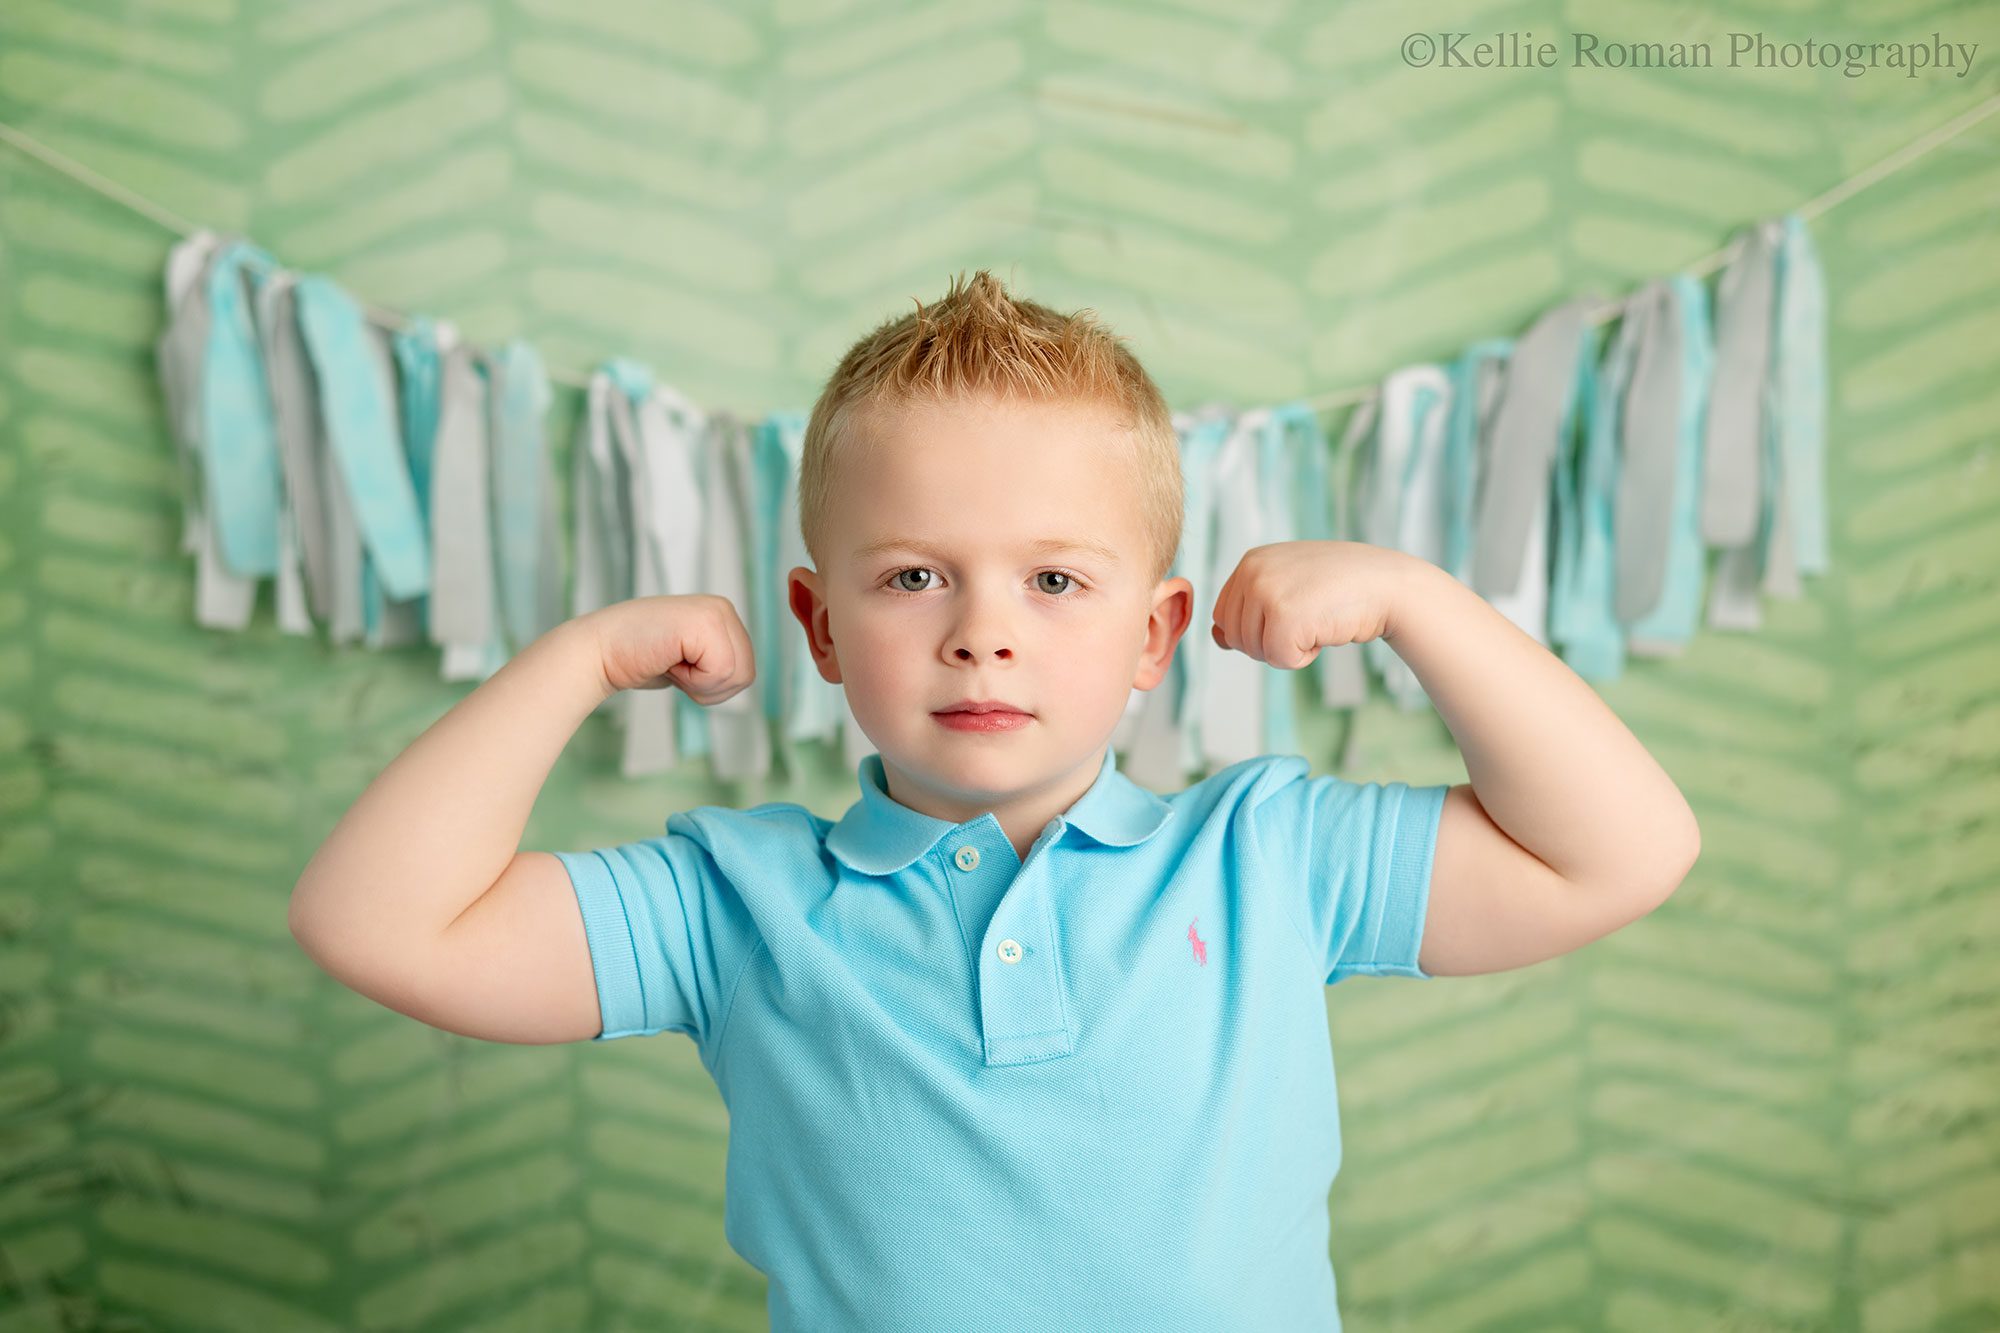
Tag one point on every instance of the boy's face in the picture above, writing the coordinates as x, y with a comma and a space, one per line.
1064, 635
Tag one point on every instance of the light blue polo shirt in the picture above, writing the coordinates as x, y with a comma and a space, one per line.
1089, 1090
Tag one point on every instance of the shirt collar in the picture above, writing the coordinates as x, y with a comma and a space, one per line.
879, 835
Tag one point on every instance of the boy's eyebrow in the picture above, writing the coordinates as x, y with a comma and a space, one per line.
1043, 546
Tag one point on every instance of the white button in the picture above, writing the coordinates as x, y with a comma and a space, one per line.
968, 858
1010, 951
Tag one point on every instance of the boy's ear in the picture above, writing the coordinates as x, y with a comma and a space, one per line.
1173, 610
807, 597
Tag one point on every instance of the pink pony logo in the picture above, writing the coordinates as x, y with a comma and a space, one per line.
1200, 946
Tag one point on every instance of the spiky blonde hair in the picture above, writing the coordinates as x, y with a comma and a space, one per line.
979, 340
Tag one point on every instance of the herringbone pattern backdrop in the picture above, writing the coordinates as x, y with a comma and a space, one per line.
1773, 1105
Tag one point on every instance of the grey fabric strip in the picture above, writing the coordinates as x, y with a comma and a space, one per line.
1514, 474
301, 439
179, 354
667, 522
587, 557
599, 479
1649, 443
1780, 549
549, 559
399, 623
740, 745
462, 593
1732, 591
635, 539
223, 599
1798, 341
1732, 483
347, 622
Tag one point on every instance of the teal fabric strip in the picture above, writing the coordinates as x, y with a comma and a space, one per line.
1666, 628
239, 441
1474, 379
1400, 496
1580, 627
771, 474
1582, 621
814, 707
391, 621
420, 367
527, 546
363, 435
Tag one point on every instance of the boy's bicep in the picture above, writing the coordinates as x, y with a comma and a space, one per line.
655, 928
1359, 889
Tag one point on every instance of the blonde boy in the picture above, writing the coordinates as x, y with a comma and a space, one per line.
1015, 1043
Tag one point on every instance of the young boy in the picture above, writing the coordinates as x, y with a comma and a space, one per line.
1014, 1043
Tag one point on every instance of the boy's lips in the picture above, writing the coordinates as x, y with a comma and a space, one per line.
1000, 719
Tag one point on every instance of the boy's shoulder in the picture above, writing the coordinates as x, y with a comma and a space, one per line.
1277, 793
1233, 784
769, 820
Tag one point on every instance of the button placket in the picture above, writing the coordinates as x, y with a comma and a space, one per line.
966, 858
1023, 1016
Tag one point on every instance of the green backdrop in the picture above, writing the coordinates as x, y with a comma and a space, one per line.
1772, 1105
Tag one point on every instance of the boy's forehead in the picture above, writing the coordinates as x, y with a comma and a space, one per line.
998, 478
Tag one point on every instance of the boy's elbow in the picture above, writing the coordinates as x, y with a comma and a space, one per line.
300, 915
1685, 842
329, 940
1684, 864
308, 934
1693, 853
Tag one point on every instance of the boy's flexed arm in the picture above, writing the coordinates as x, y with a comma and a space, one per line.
1568, 830
441, 825
437, 827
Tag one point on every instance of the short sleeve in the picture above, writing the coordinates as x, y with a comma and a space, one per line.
659, 935
1353, 863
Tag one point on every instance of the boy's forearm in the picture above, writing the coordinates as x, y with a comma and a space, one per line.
1548, 759
442, 822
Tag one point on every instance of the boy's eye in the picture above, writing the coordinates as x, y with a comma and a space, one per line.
1063, 589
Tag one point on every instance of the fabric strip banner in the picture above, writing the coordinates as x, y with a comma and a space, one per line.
399, 488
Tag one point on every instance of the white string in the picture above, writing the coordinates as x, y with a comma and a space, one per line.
394, 320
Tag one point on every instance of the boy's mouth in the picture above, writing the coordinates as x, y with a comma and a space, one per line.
982, 715
980, 706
